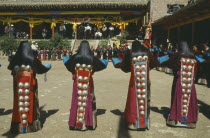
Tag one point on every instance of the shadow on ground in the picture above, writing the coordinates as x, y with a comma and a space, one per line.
5, 112
100, 112
122, 128
163, 110
204, 109
44, 114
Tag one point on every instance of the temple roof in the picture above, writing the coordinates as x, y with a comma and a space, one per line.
42, 2
24, 5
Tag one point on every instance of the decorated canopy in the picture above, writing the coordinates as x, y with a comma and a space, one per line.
53, 12
36, 12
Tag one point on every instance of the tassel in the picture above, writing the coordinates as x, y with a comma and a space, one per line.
184, 119
45, 77
24, 130
79, 125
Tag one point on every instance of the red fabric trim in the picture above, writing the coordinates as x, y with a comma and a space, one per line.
142, 121
23, 77
131, 109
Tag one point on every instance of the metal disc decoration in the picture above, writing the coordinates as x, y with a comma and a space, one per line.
83, 73
23, 77
187, 78
140, 65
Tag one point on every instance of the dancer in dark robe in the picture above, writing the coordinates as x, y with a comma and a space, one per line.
83, 107
139, 61
184, 108
24, 67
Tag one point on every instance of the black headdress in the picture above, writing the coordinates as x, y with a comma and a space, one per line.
23, 56
84, 55
185, 50
138, 49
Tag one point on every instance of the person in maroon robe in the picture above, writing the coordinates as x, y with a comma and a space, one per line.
44, 54
83, 106
184, 108
139, 61
59, 52
39, 53
65, 52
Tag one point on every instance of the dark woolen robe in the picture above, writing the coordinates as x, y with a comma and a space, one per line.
91, 104
176, 93
130, 113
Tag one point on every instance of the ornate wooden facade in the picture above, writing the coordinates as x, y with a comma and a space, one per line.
190, 23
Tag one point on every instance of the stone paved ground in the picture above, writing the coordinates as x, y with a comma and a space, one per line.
111, 91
